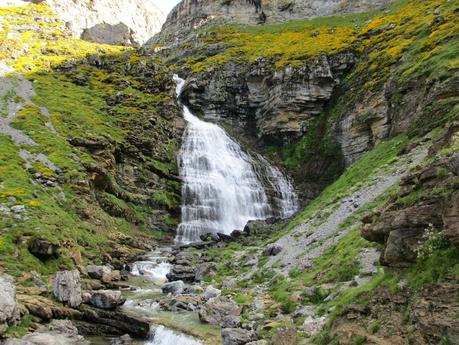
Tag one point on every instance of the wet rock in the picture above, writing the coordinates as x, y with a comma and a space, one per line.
272, 250
209, 237
9, 308
237, 234
225, 238
58, 332
123, 340
175, 287
216, 309
237, 336
43, 249
107, 299
206, 269
211, 292
67, 288
111, 322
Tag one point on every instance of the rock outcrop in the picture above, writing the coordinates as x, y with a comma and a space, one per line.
425, 208
278, 105
9, 308
67, 288
113, 22
58, 332
192, 15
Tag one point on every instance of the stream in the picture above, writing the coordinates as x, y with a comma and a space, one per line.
224, 187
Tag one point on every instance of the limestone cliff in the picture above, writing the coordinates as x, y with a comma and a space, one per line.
122, 22
192, 15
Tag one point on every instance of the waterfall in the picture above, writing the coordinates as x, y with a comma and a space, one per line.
222, 185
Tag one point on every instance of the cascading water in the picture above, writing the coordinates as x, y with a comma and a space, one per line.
222, 189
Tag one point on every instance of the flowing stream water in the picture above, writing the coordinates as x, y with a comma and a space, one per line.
223, 186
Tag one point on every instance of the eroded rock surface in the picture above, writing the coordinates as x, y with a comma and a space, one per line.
9, 308
113, 22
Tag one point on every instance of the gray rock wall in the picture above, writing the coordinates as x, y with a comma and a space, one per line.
191, 15
121, 22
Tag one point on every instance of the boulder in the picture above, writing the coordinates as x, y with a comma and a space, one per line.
44, 308
106, 299
209, 237
112, 322
237, 234
98, 272
216, 309
211, 292
9, 308
175, 287
237, 336
58, 332
43, 249
67, 288
206, 269
123, 340
272, 250
180, 272
231, 321
225, 238
454, 164
254, 227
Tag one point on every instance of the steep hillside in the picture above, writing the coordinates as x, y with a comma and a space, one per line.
89, 137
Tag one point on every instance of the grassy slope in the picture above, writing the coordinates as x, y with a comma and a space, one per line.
76, 100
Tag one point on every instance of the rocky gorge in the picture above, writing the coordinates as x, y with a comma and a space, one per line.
344, 113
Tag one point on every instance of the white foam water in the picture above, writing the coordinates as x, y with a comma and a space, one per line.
222, 189
163, 336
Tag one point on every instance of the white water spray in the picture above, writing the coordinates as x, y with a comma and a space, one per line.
222, 189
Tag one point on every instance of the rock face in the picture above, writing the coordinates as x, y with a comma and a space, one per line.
113, 22
58, 332
67, 288
404, 227
9, 309
191, 15
277, 104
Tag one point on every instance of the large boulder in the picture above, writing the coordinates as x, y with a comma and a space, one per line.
9, 309
43, 249
67, 288
107, 299
181, 272
58, 332
237, 336
272, 250
175, 288
98, 272
216, 309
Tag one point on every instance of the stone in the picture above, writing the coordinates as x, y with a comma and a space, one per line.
67, 288
45, 308
181, 272
43, 249
216, 309
9, 308
230, 321
211, 292
237, 336
58, 332
272, 250
313, 325
225, 238
123, 340
107, 299
254, 227
18, 209
237, 234
206, 269
98, 272
175, 287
